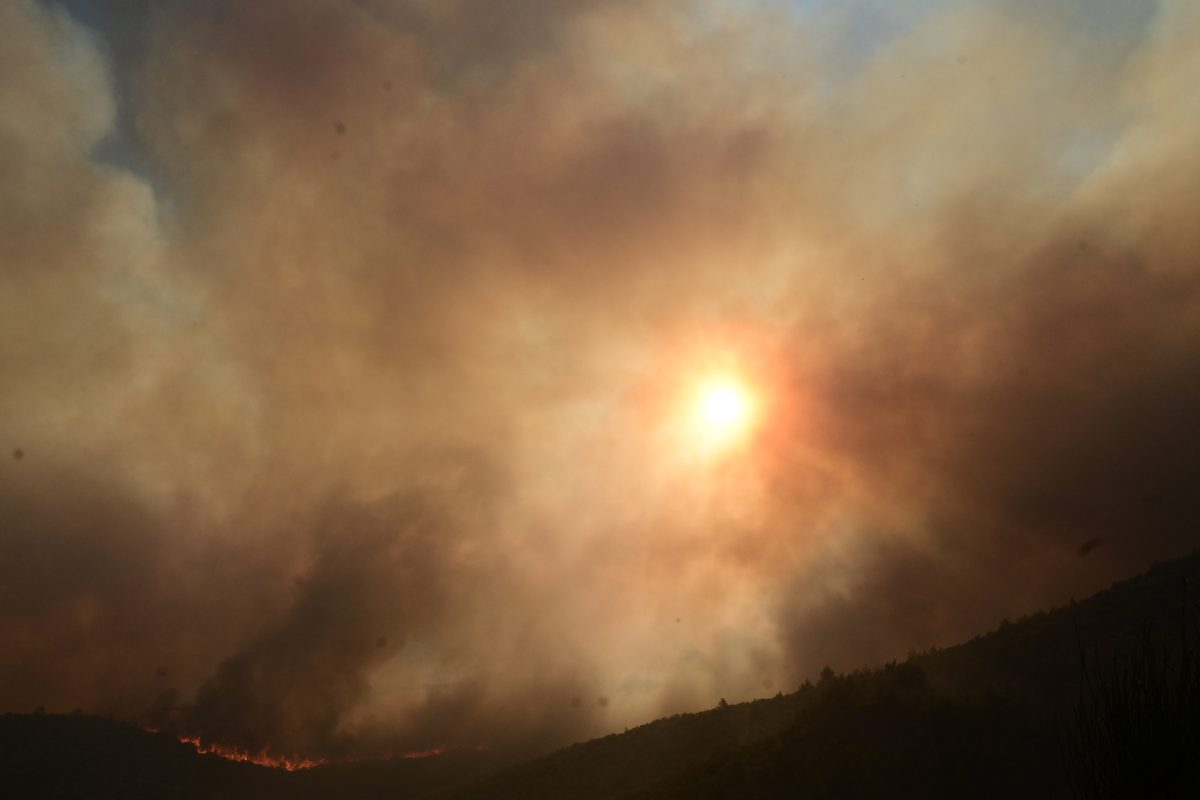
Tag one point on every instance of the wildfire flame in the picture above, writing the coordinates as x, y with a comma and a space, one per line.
264, 758
433, 751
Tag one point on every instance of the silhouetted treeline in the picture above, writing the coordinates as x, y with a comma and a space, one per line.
887, 733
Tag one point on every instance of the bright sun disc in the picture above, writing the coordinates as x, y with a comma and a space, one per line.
723, 408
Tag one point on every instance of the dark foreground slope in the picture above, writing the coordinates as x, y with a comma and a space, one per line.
872, 734
887, 734
993, 717
81, 756
52, 755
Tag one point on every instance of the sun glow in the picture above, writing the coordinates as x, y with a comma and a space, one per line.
723, 409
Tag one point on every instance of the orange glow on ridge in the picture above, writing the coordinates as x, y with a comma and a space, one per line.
262, 758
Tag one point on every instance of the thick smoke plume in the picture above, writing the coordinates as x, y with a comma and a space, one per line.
344, 343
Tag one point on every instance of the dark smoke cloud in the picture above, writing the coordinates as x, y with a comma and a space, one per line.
344, 345
375, 578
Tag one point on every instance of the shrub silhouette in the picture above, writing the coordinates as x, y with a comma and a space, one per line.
1136, 729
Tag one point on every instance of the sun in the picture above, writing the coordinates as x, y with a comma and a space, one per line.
722, 406
723, 409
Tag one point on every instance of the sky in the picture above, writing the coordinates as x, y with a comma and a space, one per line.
351, 349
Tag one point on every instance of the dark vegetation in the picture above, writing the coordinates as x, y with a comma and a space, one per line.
1098, 699
1136, 727
883, 734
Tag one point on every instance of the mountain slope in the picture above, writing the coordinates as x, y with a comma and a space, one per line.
54, 755
986, 718
76, 755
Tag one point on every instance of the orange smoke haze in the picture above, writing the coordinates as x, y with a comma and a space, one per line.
351, 350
